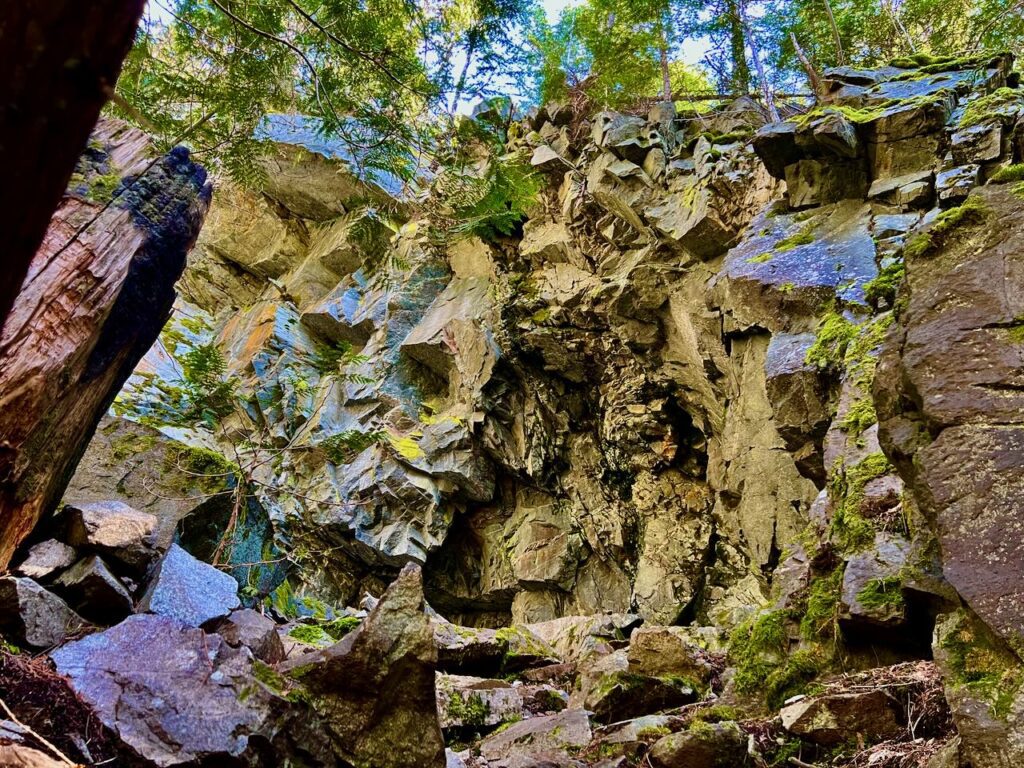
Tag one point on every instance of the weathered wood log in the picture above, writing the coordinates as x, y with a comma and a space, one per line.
96, 295
59, 59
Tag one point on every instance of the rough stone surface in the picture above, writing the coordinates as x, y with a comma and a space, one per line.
475, 701
836, 718
254, 631
568, 730
95, 592
702, 746
948, 398
47, 558
114, 530
31, 616
171, 692
189, 590
375, 690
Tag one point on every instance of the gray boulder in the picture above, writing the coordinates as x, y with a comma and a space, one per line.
374, 690
32, 616
114, 530
189, 590
95, 592
254, 631
704, 745
47, 558
173, 693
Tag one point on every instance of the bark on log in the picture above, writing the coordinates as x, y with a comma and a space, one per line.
96, 295
59, 58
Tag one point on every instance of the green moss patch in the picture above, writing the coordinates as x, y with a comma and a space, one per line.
973, 211
849, 530
986, 108
760, 258
1008, 174
882, 593
859, 417
821, 618
977, 662
834, 335
804, 237
885, 285
469, 711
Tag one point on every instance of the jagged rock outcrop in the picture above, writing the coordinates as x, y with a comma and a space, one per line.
662, 402
119, 240
374, 691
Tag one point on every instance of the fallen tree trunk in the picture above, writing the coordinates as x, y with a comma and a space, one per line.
60, 59
96, 295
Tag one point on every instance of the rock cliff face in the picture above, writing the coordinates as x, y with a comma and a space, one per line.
658, 399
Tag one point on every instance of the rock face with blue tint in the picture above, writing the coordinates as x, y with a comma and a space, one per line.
659, 398
189, 590
179, 696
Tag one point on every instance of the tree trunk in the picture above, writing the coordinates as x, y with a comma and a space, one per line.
96, 295
60, 59
840, 57
805, 62
755, 54
738, 43
665, 36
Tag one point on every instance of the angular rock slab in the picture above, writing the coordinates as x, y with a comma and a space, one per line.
172, 693
793, 264
375, 688
840, 717
538, 735
189, 590
254, 631
114, 530
47, 558
32, 616
702, 746
476, 701
95, 592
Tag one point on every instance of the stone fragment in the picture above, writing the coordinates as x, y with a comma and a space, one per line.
95, 592
545, 158
254, 631
872, 586
668, 652
812, 182
568, 730
954, 185
977, 144
890, 225
982, 685
31, 616
476, 702
573, 638
703, 745
841, 717
917, 194
375, 689
47, 558
837, 135
114, 530
612, 689
189, 590
174, 694
799, 397
775, 144
467, 650
887, 185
